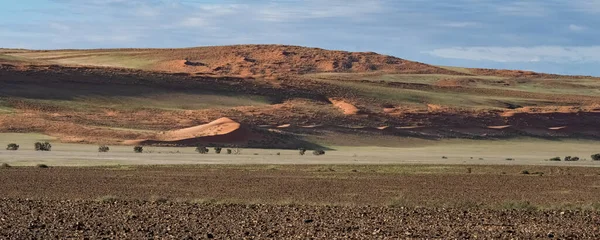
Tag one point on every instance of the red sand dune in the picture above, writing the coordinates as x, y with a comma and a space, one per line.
346, 107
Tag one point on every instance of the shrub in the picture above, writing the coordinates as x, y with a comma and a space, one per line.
555, 159
45, 146
302, 151
278, 153
218, 150
5, 165
12, 147
525, 172
510, 159
138, 149
596, 157
229, 151
103, 148
318, 152
571, 159
444, 157
202, 149
42, 166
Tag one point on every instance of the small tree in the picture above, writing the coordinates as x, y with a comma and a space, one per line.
596, 157
218, 150
45, 146
12, 147
202, 149
318, 152
138, 149
103, 148
302, 151
237, 151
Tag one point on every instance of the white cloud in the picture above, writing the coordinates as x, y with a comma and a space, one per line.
460, 24
526, 8
194, 22
314, 9
558, 54
576, 28
589, 6
59, 27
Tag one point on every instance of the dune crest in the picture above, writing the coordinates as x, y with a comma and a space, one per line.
346, 107
221, 126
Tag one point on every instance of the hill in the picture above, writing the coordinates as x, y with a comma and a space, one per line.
287, 95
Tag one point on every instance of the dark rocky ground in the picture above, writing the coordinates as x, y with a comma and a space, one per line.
300, 202
50, 219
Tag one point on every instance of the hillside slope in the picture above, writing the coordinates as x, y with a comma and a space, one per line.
239, 60
284, 96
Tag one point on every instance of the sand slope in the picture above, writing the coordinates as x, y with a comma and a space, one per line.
221, 126
346, 107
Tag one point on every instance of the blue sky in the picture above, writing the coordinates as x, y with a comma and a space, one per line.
556, 36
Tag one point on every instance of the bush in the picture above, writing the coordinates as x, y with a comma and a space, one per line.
138, 149
525, 172
45, 146
5, 165
103, 148
596, 157
571, 159
229, 151
202, 149
218, 150
12, 147
302, 151
555, 159
318, 152
42, 166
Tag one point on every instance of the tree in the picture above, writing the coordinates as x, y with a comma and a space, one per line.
202, 149
12, 147
45, 146
138, 149
103, 148
318, 152
218, 150
302, 151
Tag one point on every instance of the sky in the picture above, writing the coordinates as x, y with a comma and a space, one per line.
553, 36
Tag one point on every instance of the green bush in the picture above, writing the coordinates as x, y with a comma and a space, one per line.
596, 157
42, 166
45, 146
218, 150
555, 159
571, 159
103, 148
302, 151
138, 149
318, 152
12, 147
202, 150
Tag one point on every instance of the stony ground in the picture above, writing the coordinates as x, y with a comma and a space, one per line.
299, 202
29, 219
